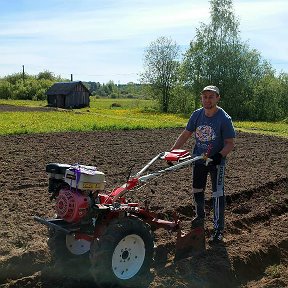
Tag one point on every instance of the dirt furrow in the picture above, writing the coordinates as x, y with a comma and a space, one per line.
256, 214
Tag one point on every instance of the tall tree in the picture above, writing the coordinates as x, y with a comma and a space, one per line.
218, 56
47, 75
160, 69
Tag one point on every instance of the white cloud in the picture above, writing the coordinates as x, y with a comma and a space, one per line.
109, 37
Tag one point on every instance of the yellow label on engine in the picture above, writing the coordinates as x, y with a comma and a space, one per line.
70, 176
89, 185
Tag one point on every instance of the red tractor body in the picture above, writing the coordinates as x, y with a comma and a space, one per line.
89, 219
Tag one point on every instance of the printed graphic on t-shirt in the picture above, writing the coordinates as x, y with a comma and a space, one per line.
205, 133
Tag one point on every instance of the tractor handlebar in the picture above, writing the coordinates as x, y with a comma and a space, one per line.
181, 162
182, 157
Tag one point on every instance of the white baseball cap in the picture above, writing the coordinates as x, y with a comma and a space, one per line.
211, 88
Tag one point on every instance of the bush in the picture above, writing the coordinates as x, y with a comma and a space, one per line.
268, 100
115, 105
29, 87
5, 90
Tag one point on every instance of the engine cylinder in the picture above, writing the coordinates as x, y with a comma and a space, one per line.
71, 205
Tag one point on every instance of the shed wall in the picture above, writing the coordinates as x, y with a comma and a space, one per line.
78, 97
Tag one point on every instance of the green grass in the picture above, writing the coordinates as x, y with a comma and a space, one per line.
100, 104
61, 121
132, 114
95, 104
25, 103
265, 128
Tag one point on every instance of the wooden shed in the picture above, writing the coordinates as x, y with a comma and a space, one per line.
68, 95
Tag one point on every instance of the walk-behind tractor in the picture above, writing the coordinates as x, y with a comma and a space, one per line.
115, 235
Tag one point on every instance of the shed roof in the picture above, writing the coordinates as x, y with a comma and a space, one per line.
64, 88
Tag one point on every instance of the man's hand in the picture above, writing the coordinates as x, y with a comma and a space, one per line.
216, 159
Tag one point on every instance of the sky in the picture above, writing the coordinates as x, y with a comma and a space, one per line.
103, 40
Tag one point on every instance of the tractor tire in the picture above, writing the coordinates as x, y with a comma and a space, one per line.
123, 254
63, 261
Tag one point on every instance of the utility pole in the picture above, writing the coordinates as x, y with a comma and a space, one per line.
23, 73
71, 77
118, 89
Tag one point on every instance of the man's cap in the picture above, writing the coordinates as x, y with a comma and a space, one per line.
211, 88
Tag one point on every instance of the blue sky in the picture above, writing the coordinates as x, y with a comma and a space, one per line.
102, 40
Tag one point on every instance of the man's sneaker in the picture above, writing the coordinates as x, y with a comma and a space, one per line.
197, 222
217, 237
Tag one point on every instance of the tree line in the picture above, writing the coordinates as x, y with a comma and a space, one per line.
27, 87
250, 88
33, 87
111, 90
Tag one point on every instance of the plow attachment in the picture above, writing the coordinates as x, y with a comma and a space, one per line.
190, 244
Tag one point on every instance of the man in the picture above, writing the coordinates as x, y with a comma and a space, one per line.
214, 134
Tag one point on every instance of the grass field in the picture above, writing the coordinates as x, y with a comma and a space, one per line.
128, 114
266, 128
95, 104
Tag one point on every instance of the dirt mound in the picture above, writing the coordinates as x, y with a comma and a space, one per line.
255, 250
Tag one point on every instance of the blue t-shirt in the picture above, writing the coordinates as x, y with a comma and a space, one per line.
210, 132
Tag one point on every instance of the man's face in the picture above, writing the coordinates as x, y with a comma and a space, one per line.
209, 99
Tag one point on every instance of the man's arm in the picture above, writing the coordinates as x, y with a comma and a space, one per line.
182, 139
228, 146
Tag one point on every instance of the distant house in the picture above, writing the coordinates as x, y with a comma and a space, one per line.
68, 95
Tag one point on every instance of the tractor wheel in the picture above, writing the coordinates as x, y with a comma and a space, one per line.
66, 253
123, 254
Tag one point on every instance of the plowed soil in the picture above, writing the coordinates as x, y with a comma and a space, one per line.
255, 250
